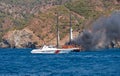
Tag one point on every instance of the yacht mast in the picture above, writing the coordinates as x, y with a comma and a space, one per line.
71, 37
58, 37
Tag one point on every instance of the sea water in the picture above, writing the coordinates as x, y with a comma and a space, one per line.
20, 62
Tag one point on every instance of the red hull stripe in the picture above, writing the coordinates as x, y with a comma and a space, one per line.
57, 51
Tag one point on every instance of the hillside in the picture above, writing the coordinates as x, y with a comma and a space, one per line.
38, 19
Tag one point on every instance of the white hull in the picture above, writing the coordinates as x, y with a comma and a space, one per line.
49, 50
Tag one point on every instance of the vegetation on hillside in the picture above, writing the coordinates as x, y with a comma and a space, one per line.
93, 9
16, 14
40, 15
83, 7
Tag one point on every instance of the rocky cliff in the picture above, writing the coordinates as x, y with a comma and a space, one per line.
28, 23
20, 39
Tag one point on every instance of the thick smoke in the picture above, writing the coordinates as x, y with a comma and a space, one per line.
105, 32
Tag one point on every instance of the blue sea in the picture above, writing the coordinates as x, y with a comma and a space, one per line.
20, 62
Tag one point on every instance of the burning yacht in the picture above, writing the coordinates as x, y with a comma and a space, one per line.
56, 50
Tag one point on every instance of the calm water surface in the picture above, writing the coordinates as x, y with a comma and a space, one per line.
20, 62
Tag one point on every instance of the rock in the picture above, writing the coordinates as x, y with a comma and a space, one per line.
31, 45
4, 44
21, 39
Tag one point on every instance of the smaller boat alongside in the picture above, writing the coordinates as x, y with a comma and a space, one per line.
53, 50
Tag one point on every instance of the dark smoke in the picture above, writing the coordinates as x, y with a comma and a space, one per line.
105, 30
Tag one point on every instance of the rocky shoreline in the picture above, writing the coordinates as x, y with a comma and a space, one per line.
18, 39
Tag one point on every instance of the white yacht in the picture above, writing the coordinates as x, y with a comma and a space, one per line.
52, 50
